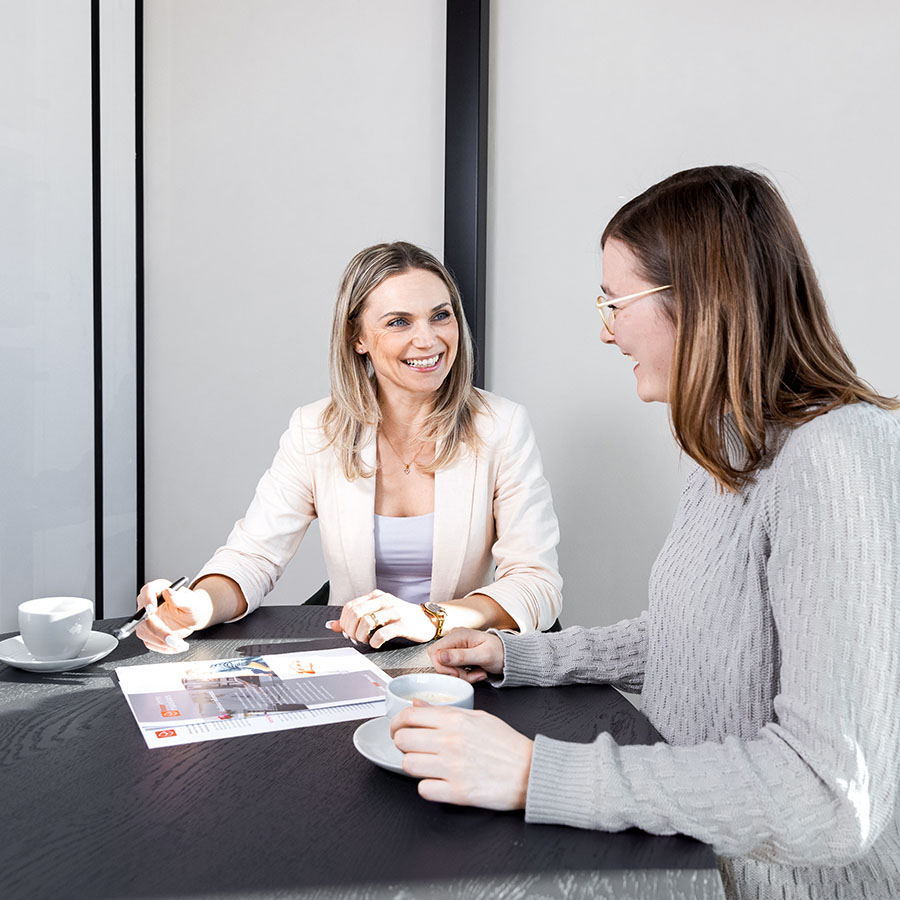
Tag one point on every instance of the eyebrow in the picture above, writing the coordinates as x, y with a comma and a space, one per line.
396, 313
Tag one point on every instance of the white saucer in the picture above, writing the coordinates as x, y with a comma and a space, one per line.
14, 653
373, 740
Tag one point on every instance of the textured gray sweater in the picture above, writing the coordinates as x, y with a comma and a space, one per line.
769, 660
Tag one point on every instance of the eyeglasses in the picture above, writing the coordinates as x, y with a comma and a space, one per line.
607, 307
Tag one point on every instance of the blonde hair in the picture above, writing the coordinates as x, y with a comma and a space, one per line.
752, 333
353, 408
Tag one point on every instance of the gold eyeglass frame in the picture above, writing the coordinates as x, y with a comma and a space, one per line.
609, 315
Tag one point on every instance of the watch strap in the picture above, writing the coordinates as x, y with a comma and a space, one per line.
436, 617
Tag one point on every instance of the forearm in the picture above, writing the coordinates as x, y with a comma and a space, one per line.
615, 654
225, 597
788, 811
476, 611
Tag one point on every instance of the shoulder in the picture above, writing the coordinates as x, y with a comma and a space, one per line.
856, 426
505, 433
499, 417
858, 439
305, 426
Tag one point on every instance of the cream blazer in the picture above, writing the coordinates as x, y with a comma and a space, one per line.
495, 531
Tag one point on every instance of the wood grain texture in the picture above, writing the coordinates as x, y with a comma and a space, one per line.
89, 811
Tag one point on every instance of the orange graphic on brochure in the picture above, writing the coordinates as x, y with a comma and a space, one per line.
169, 732
302, 668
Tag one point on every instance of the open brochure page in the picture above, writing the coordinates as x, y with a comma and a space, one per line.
186, 702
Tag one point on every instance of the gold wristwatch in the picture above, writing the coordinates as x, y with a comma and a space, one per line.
437, 614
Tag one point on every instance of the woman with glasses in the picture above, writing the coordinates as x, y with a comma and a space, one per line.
769, 654
431, 500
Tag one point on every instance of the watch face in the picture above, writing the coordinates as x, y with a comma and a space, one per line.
433, 607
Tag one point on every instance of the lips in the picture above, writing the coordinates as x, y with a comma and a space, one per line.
632, 360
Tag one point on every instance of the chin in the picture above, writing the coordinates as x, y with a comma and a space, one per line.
650, 396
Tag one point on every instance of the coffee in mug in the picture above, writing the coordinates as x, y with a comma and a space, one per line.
432, 697
438, 690
56, 627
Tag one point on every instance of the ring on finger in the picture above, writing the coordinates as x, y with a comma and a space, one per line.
375, 623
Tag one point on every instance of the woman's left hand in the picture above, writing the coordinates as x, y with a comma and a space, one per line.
463, 756
377, 617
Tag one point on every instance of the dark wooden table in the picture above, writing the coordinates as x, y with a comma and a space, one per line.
90, 812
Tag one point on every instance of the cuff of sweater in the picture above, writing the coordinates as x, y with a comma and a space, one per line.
573, 784
525, 656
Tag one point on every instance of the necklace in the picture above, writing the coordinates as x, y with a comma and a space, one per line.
406, 465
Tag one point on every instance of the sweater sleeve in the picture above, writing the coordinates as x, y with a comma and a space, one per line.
819, 782
527, 583
615, 655
265, 540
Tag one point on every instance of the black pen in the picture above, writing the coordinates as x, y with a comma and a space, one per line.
129, 627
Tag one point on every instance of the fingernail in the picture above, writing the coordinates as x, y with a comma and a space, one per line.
175, 643
329, 624
355, 644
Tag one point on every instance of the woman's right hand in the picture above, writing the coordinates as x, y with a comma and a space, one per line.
468, 654
177, 615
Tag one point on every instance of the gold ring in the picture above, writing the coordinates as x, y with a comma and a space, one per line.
376, 624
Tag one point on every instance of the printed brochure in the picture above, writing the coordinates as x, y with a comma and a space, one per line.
205, 700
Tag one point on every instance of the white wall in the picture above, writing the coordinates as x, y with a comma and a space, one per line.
283, 136
280, 138
591, 102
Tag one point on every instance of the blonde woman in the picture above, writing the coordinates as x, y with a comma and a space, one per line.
769, 654
433, 508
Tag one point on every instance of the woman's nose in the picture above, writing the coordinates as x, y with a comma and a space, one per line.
606, 337
424, 336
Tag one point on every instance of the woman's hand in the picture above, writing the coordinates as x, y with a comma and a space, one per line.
463, 756
377, 617
166, 625
468, 654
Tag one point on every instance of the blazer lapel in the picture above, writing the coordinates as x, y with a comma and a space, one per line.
454, 487
356, 500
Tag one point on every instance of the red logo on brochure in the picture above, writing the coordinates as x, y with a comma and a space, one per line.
168, 713
169, 732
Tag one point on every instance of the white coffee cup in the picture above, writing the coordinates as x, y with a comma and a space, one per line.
435, 689
56, 627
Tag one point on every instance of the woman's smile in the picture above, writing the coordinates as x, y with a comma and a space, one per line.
426, 363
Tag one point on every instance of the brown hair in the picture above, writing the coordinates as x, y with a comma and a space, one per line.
752, 333
353, 408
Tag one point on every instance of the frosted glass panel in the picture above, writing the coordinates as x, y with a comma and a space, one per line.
46, 357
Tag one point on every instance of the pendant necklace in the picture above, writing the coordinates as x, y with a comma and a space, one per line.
406, 465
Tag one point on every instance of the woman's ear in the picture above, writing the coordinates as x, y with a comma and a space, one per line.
359, 347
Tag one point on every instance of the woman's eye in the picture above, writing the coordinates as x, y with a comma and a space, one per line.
442, 316
396, 323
